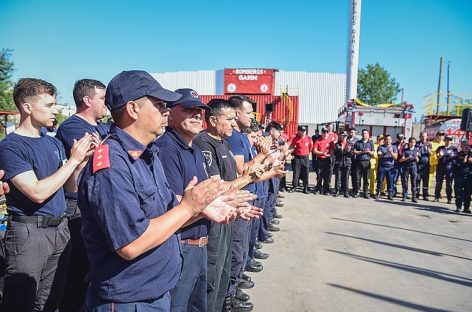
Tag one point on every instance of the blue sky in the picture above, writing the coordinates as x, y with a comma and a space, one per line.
62, 41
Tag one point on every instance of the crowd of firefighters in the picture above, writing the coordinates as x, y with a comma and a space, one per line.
376, 167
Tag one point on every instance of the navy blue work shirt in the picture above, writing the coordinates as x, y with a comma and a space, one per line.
239, 144
449, 158
423, 151
410, 153
261, 187
387, 159
360, 146
75, 127
44, 155
117, 204
181, 163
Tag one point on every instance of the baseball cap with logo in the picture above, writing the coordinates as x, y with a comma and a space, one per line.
189, 99
301, 128
132, 85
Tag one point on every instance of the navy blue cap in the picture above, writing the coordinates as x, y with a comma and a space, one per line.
189, 99
132, 85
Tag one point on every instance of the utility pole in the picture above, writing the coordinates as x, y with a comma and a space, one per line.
438, 103
448, 90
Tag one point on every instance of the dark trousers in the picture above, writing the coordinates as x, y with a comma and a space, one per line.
362, 174
388, 173
342, 177
75, 288
463, 190
239, 251
423, 177
37, 260
190, 292
322, 180
219, 265
409, 172
301, 168
354, 175
265, 219
255, 225
397, 173
94, 304
441, 173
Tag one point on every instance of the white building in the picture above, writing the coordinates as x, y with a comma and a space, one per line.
320, 94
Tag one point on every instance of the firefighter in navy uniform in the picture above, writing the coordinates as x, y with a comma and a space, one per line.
462, 171
425, 151
342, 164
409, 161
446, 158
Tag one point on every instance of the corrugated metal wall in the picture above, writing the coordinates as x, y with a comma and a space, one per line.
202, 81
321, 94
285, 109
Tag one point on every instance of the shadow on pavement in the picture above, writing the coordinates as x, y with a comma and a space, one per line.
403, 229
437, 209
412, 269
396, 301
425, 251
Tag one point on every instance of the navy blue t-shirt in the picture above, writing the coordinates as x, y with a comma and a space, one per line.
181, 163
75, 127
360, 146
44, 155
387, 159
117, 204
239, 144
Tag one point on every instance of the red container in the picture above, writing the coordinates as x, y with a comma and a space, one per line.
285, 109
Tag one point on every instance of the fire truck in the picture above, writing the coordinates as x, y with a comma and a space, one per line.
379, 119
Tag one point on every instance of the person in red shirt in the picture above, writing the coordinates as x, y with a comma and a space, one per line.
302, 145
323, 149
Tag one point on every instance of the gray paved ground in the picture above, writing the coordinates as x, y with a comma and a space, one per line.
338, 254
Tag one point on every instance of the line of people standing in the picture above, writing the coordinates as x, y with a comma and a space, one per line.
376, 168
149, 213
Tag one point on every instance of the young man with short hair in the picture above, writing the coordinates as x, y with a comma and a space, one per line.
37, 169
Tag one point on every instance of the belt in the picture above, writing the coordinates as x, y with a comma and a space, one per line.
300, 156
39, 221
200, 242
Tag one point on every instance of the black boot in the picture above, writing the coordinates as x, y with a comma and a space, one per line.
377, 196
366, 195
346, 194
414, 198
241, 295
390, 196
227, 304
403, 197
336, 193
240, 306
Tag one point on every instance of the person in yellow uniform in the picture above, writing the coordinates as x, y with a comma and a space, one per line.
433, 159
374, 166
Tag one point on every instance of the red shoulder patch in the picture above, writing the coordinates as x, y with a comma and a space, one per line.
101, 158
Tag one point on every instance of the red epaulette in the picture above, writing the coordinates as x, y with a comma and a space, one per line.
101, 158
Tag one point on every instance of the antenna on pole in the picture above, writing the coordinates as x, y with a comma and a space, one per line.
438, 102
448, 90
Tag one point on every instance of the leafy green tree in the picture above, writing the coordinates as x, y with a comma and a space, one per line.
6, 85
376, 86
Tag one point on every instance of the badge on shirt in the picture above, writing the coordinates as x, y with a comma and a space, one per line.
208, 157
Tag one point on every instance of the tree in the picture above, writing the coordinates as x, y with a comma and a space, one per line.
6, 85
375, 86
